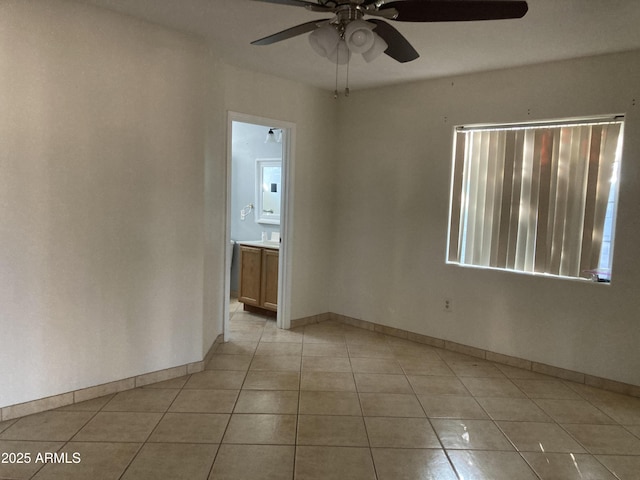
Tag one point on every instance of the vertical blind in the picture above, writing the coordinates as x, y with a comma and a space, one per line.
532, 198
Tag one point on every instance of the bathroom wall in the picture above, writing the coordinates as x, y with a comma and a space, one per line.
390, 233
248, 144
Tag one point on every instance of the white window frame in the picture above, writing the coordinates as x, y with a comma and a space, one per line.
532, 197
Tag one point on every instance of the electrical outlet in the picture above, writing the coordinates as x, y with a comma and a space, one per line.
448, 305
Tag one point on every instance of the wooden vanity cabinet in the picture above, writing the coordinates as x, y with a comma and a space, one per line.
269, 280
259, 277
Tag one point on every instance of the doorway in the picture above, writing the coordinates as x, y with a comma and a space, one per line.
259, 201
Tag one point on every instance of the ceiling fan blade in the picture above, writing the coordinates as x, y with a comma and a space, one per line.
290, 32
313, 6
456, 10
399, 47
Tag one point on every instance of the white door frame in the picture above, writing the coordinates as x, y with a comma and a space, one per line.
286, 216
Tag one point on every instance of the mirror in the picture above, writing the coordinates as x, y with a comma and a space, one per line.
268, 190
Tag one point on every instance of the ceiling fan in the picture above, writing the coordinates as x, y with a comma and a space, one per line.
346, 32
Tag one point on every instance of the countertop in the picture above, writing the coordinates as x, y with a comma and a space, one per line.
259, 243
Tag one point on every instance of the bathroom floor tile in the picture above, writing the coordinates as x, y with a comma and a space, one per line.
142, 400
535, 388
394, 432
331, 430
625, 467
540, 437
623, 409
323, 337
605, 439
567, 466
437, 385
485, 465
247, 336
492, 387
326, 364
239, 462
370, 350
267, 401
230, 362
635, 429
411, 349
573, 411
476, 369
259, 380
470, 435
328, 382
325, 350
204, 401
390, 405
244, 320
276, 363
282, 336
119, 427
382, 383
6, 424
451, 406
279, 348
375, 365
365, 337
333, 463
172, 461
329, 403
235, 348
190, 428
20, 471
97, 461
516, 409
248, 428
216, 379
417, 366
47, 426
410, 464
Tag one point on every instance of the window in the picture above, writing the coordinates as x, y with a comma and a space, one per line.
537, 198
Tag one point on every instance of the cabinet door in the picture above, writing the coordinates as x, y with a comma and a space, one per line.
269, 294
250, 275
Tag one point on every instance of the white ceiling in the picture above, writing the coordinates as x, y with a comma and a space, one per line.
551, 30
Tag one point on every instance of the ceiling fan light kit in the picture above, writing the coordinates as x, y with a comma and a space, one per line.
358, 37
341, 55
324, 40
346, 32
378, 48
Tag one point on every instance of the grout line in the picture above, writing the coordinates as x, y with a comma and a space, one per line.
298, 414
144, 443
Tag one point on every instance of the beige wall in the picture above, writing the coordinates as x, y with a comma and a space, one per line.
112, 195
391, 220
101, 198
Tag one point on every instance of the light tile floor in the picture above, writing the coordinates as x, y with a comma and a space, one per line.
329, 401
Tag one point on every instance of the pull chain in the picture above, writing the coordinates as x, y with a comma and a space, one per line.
346, 90
335, 92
